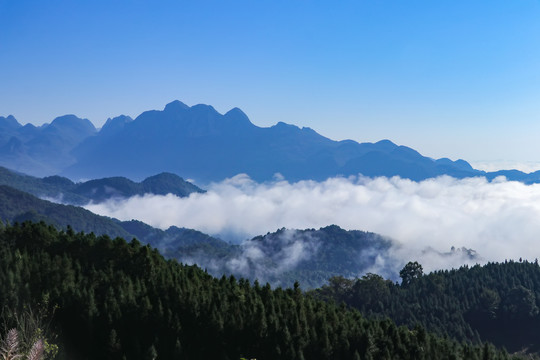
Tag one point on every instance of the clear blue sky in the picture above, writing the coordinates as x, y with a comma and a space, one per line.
449, 78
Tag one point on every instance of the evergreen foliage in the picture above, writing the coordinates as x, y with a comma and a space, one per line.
121, 300
282, 257
497, 302
18, 206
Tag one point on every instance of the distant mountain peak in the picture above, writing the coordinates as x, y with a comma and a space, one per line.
237, 117
73, 122
9, 122
65, 119
115, 124
385, 142
175, 106
12, 120
284, 125
119, 118
236, 113
204, 108
386, 145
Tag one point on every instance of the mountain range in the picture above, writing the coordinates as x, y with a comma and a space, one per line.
63, 189
201, 144
42, 150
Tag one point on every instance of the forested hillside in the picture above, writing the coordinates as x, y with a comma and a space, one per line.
119, 300
18, 206
498, 302
287, 255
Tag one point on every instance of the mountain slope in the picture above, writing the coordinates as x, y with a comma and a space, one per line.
18, 206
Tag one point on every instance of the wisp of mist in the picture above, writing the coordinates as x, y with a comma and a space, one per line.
498, 219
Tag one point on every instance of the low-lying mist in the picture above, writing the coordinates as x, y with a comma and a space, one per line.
499, 219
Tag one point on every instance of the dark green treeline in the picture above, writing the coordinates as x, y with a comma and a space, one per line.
120, 300
497, 302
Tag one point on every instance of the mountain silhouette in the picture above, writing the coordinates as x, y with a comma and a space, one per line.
97, 190
203, 145
200, 143
43, 150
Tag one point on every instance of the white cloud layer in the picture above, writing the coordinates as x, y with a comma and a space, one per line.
500, 220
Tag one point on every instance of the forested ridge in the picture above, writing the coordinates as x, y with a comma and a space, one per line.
497, 302
117, 300
18, 206
97, 190
318, 255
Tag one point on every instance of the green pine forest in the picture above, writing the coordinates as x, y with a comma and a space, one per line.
497, 302
104, 298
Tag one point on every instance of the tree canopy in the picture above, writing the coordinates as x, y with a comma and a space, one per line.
118, 299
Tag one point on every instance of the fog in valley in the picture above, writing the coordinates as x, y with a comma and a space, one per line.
499, 219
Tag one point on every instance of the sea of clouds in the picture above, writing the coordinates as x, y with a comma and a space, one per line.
498, 219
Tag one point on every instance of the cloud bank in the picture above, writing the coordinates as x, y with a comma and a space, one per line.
499, 219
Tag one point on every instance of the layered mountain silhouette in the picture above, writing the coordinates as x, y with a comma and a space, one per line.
201, 144
43, 150
20, 206
98, 190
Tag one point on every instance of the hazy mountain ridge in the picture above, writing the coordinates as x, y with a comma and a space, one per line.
19, 206
43, 150
202, 144
65, 190
310, 256
288, 255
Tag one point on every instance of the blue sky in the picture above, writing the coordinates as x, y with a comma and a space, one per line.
458, 79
